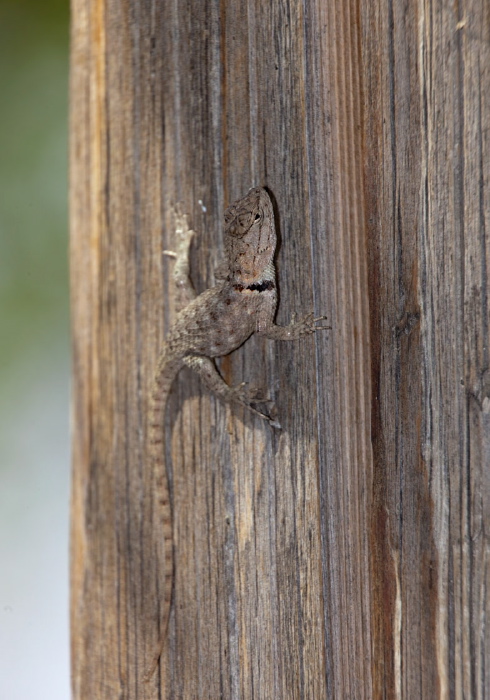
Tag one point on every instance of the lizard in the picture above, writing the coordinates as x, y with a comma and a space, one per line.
214, 324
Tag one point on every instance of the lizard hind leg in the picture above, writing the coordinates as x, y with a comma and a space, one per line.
206, 369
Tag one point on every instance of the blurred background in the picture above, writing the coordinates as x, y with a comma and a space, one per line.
34, 350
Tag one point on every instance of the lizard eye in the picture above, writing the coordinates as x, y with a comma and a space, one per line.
257, 217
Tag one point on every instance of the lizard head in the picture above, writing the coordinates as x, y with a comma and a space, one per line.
250, 237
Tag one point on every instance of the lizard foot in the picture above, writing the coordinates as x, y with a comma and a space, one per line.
183, 234
250, 396
306, 325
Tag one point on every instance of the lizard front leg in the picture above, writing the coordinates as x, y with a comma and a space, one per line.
296, 329
184, 235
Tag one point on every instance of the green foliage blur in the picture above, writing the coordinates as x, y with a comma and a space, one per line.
34, 350
33, 179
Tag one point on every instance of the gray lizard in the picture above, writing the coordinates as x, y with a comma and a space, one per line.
214, 324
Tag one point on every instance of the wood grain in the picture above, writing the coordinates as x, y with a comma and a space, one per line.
426, 77
345, 556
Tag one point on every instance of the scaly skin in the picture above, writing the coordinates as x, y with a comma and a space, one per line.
214, 324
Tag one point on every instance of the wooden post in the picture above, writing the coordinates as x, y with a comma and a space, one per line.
345, 556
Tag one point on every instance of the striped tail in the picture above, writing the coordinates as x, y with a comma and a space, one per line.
162, 518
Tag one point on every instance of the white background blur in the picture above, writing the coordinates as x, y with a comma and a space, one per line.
34, 351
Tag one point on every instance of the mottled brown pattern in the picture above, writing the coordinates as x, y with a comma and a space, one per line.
214, 324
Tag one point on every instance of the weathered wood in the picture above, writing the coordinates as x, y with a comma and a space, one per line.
426, 80
345, 556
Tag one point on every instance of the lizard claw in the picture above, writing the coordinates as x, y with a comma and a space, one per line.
321, 328
306, 325
248, 397
183, 232
183, 240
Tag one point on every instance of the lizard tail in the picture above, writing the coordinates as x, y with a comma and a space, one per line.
164, 377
